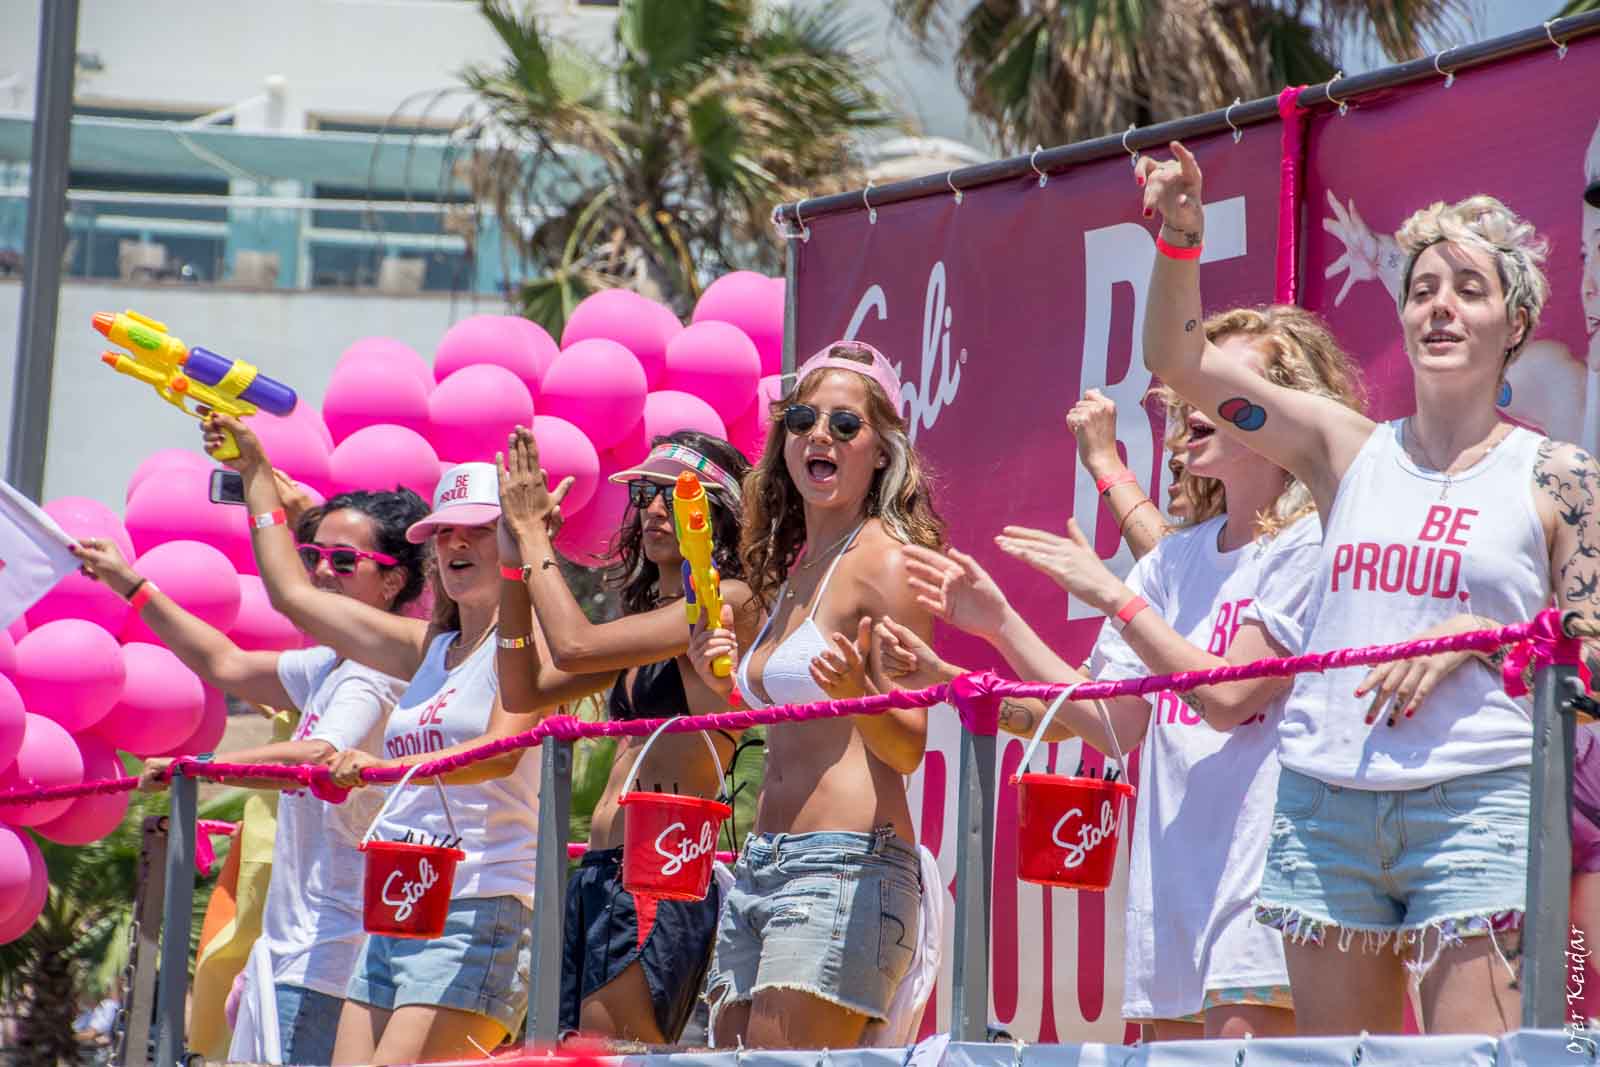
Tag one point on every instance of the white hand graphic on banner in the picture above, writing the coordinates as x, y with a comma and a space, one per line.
1113, 255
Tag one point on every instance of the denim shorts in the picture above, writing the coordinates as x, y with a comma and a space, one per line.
833, 914
307, 1022
1451, 857
479, 964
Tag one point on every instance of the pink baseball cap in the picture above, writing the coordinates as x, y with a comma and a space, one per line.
468, 494
836, 356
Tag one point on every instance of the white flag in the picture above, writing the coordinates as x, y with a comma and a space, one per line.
34, 554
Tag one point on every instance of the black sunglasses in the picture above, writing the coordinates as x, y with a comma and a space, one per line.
843, 425
641, 491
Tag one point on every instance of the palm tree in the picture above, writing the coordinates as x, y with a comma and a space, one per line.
1055, 71
79, 944
658, 166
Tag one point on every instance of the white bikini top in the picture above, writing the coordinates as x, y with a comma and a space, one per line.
786, 678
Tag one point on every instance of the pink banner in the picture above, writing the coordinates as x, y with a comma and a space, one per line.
1004, 308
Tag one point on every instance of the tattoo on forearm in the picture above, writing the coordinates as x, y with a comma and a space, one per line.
1242, 413
1189, 326
1570, 482
1193, 702
1017, 717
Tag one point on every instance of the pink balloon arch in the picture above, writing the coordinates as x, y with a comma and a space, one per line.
84, 681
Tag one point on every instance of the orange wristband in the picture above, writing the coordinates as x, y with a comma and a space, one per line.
271, 518
1172, 251
1104, 484
141, 596
1126, 613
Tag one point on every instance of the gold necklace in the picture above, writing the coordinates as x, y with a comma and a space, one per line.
1488, 445
812, 562
456, 647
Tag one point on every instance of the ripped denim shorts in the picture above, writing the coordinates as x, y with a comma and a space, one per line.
1392, 865
832, 913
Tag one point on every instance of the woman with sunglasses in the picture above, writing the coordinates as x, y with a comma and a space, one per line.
353, 546
449, 997
631, 969
821, 924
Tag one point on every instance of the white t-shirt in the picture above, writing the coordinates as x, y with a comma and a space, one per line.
312, 917
498, 821
1204, 808
1405, 550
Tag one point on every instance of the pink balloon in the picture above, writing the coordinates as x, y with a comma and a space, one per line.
667, 412
213, 724
599, 387
166, 459
752, 302
520, 346
297, 444
48, 757
75, 596
92, 817
472, 412
11, 722
175, 505
161, 705
195, 575
748, 433
371, 394
563, 451
394, 357
258, 627
638, 324
717, 363
70, 671
585, 538
32, 899
16, 871
381, 457
8, 653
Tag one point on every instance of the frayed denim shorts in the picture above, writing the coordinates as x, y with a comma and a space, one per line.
479, 964
1392, 865
832, 913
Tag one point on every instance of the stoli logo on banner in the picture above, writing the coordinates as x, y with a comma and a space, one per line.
924, 400
410, 891
686, 851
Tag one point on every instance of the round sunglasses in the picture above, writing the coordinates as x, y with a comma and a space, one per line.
843, 425
342, 560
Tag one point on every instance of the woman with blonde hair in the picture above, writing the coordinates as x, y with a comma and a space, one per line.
1196, 964
820, 926
1402, 808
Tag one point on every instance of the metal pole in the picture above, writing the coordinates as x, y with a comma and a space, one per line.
177, 917
791, 302
549, 892
974, 873
43, 246
140, 1001
1546, 935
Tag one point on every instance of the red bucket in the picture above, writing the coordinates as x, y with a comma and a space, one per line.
669, 842
1067, 830
406, 892
407, 889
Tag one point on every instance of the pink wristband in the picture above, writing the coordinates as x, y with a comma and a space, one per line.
1172, 251
1126, 613
141, 596
1103, 484
271, 518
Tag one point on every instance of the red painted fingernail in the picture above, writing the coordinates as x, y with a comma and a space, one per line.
1410, 712
1148, 213
1139, 178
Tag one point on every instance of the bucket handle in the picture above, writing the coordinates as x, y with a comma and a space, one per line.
1044, 723
633, 774
394, 792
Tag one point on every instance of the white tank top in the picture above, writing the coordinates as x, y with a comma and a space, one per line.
786, 678
498, 821
1403, 550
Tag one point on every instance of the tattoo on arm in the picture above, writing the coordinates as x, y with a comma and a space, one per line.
1570, 481
1189, 326
1017, 717
1242, 413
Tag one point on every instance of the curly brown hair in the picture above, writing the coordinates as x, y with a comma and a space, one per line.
901, 495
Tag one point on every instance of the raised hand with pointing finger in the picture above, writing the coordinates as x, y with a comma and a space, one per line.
1172, 187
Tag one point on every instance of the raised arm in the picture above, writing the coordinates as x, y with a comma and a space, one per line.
393, 644
1093, 422
1312, 437
201, 647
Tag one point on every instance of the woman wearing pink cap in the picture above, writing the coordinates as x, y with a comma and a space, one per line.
631, 967
444, 998
822, 922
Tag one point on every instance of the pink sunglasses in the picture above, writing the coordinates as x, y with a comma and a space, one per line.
342, 560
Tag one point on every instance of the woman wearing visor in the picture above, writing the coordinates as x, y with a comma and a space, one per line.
631, 967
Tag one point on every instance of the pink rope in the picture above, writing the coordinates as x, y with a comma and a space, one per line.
975, 695
1294, 119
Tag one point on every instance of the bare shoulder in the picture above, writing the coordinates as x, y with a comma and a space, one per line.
880, 572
